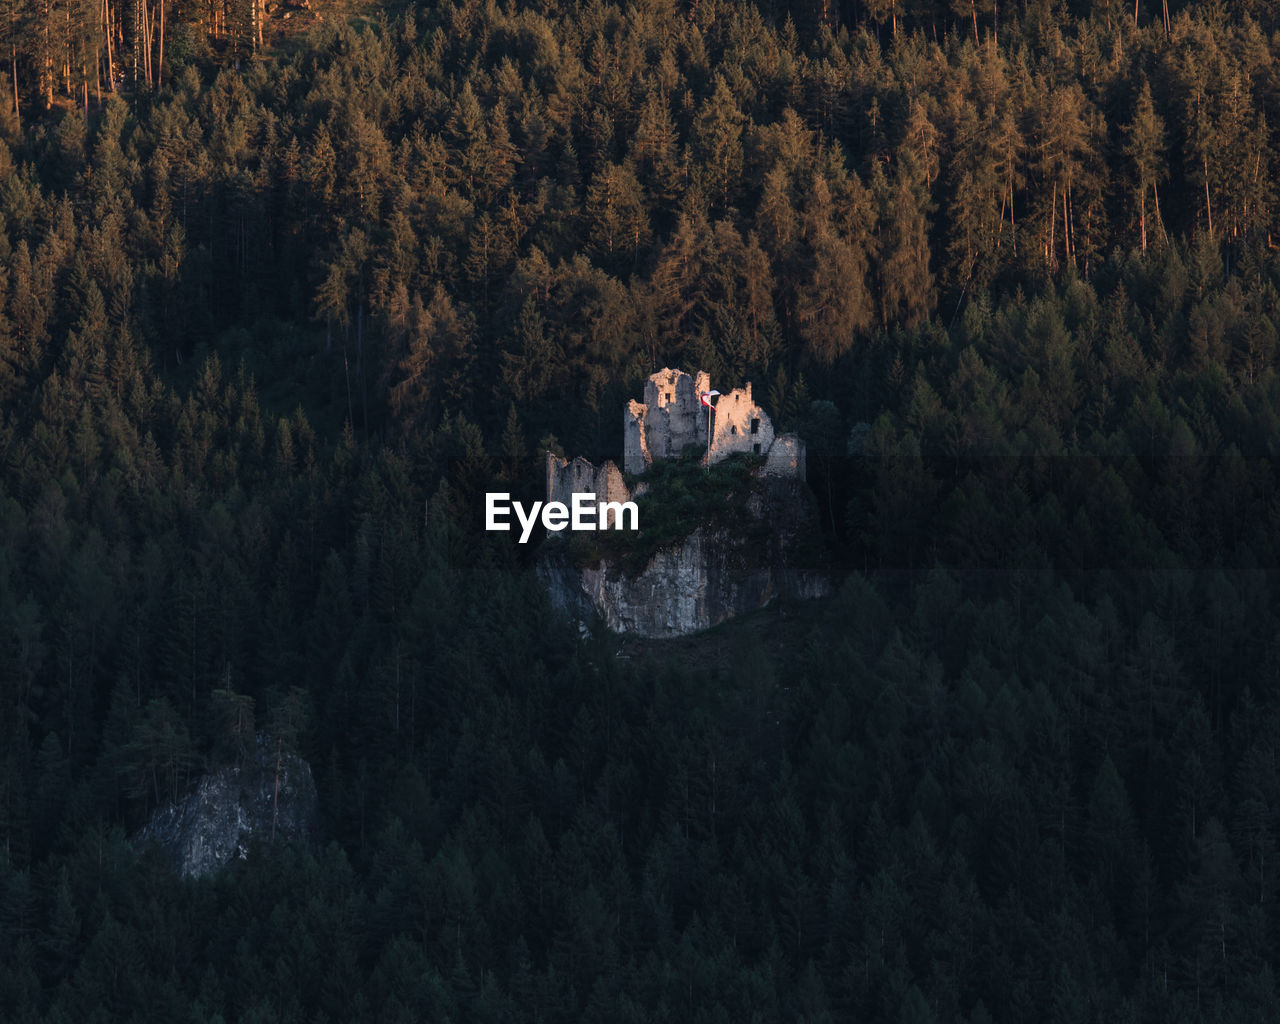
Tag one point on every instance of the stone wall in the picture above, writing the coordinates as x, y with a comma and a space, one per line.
739, 425
785, 458
635, 448
671, 418
565, 478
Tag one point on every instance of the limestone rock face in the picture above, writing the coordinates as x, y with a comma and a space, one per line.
704, 580
215, 822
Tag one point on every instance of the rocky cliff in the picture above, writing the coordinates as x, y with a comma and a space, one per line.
712, 574
230, 806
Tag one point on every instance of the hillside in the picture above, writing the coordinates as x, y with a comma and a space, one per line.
274, 318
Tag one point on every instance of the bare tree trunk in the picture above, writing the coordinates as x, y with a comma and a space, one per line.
160, 55
1013, 224
150, 43
137, 42
106, 20
1068, 226
1208, 209
1053, 224
46, 58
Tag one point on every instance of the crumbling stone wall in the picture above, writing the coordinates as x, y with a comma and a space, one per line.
672, 417
785, 458
635, 447
565, 478
739, 425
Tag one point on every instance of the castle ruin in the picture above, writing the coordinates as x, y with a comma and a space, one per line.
672, 418
718, 569
565, 479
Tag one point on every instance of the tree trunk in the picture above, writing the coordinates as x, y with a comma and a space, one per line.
1013, 225
160, 55
1208, 208
1053, 224
148, 40
1068, 226
106, 20
46, 58
1142, 219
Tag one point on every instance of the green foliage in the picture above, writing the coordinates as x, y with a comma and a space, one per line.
269, 332
679, 496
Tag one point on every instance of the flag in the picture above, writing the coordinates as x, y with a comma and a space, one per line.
706, 398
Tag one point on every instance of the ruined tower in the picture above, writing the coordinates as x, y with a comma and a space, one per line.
672, 417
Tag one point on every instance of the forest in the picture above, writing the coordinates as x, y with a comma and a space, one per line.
278, 305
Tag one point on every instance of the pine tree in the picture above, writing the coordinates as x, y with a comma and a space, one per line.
906, 282
1145, 146
717, 135
832, 302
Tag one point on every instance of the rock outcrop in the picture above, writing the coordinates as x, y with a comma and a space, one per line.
723, 564
712, 575
228, 807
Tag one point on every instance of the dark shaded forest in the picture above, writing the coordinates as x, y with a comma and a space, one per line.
273, 316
